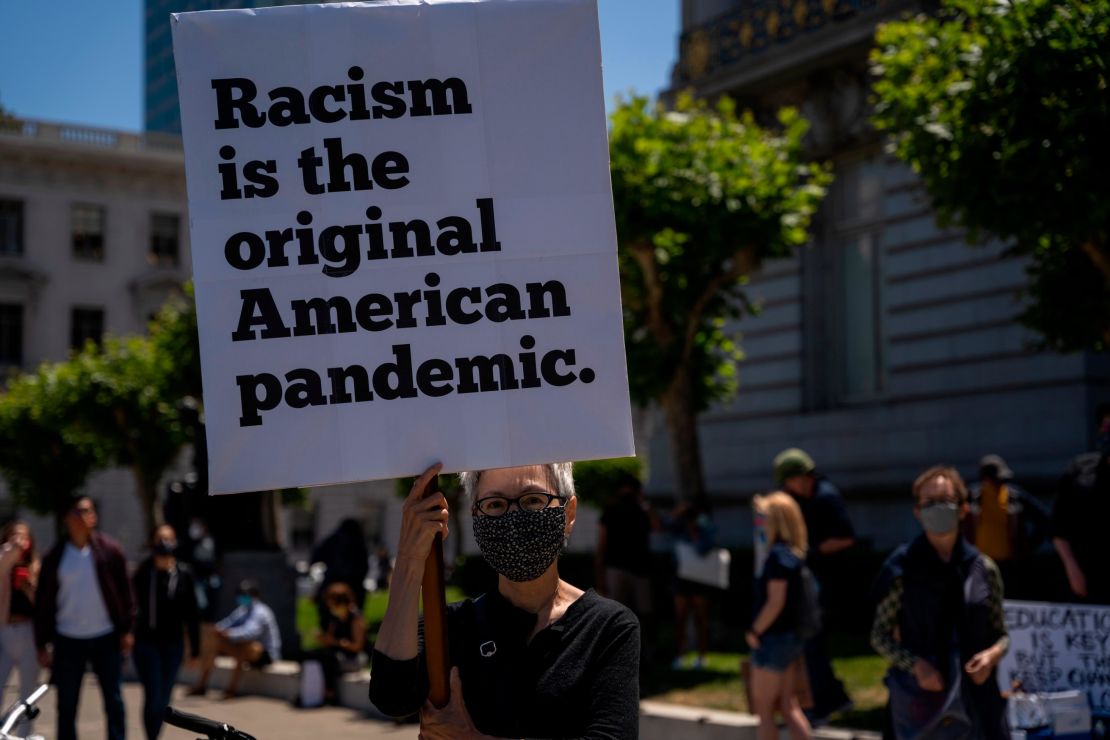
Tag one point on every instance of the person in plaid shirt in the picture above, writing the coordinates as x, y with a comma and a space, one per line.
939, 617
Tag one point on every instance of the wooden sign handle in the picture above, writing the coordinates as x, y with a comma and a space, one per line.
435, 618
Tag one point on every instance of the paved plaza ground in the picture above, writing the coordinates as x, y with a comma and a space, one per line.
265, 719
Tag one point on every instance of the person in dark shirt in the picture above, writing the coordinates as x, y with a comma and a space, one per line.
342, 638
346, 559
166, 595
830, 536
536, 657
774, 635
691, 525
1079, 519
623, 551
202, 557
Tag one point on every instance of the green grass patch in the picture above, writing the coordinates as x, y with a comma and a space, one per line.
373, 611
717, 685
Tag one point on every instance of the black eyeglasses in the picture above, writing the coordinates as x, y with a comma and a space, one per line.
534, 501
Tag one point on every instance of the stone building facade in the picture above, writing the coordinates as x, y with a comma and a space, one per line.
93, 239
888, 344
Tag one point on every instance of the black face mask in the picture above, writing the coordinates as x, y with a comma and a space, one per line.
521, 545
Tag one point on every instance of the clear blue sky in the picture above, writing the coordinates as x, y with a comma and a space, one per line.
79, 61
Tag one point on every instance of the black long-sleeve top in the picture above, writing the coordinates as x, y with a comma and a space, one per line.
167, 606
577, 678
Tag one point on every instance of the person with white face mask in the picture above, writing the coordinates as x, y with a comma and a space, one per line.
534, 657
940, 623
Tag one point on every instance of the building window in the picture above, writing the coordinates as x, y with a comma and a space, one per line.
843, 292
86, 324
11, 334
164, 230
861, 373
88, 231
11, 227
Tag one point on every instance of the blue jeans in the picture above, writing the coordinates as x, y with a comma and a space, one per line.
71, 659
777, 651
157, 666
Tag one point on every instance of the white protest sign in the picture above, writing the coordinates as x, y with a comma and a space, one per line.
1059, 647
403, 238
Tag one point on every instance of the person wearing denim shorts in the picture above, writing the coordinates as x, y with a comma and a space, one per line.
774, 635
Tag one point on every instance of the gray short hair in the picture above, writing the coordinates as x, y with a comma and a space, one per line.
561, 474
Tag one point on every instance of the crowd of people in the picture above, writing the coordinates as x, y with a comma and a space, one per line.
937, 600
567, 661
80, 607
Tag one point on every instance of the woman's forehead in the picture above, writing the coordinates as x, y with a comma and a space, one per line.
511, 480
937, 488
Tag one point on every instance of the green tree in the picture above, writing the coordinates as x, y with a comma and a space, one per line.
1002, 108
126, 405
173, 334
595, 481
703, 196
119, 403
243, 521
43, 458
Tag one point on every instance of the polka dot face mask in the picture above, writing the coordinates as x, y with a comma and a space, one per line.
521, 545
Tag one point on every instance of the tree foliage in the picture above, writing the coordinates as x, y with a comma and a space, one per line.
114, 404
595, 481
1002, 108
703, 196
174, 337
43, 458
126, 404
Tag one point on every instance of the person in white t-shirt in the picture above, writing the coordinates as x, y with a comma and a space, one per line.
85, 615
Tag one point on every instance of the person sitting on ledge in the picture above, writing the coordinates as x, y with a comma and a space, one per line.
249, 635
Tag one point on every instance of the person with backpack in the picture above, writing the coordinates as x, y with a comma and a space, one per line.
939, 622
786, 613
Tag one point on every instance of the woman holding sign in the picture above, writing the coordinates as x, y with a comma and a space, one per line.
537, 657
939, 622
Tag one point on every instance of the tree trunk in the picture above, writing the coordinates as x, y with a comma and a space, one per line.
682, 430
1097, 258
148, 499
1102, 264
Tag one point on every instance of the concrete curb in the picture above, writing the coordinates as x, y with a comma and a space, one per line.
661, 721
658, 720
